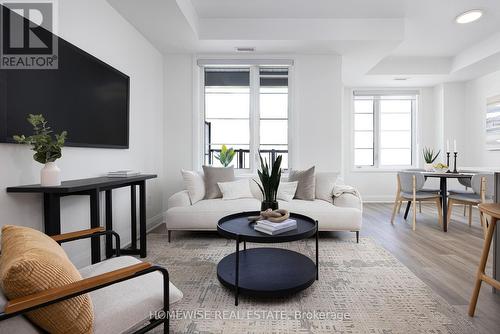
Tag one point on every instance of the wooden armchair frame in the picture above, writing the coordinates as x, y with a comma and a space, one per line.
51, 296
400, 199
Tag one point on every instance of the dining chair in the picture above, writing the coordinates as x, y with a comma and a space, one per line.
482, 192
410, 187
426, 189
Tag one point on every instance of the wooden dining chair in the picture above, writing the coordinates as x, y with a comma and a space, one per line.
482, 192
492, 210
410, 187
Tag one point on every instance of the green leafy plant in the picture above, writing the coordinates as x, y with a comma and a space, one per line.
429, 155
226, 155
270, 179
47, 147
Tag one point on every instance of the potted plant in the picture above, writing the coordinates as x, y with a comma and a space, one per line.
47, 149
226, 156
429, 158
270, 181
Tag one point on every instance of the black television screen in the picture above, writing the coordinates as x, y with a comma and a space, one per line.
84, 96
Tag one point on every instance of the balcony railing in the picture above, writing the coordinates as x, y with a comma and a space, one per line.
242, 157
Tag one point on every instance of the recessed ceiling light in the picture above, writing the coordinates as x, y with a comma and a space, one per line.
245, 49
469, 16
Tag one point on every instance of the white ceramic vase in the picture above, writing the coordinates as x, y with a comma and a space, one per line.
50, 175
429, 167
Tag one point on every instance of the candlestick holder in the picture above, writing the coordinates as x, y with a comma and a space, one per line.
455, 163
448, 162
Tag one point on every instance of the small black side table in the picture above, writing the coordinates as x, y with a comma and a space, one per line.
92, 187
268, 272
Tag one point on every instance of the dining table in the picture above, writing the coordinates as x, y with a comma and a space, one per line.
443, 185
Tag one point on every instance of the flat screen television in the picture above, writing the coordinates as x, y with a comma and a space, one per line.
84, 96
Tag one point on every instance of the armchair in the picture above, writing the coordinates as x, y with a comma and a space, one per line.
125, 293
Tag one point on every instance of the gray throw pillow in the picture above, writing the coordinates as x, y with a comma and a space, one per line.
306, 189
214, 175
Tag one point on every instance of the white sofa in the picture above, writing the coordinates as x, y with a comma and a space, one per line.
342, 213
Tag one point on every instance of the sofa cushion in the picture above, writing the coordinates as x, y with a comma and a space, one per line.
126, 306
205, 214
330, 217
235, 189
213, 175
325, 181
307, 184
286, 190
32, 262
195, 185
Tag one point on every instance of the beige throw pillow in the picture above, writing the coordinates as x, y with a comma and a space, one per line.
213, 175
306, 183
286, 190
195, 185
32, 262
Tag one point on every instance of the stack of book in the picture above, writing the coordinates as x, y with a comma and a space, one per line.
265, 226
123, 173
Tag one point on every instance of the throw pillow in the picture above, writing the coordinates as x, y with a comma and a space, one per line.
32, 262
195, 185
286, 190
325, 181
213, 175
235, 189
306, 188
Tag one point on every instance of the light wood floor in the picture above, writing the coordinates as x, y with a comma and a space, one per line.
446, 262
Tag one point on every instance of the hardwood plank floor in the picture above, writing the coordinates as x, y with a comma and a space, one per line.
447, 262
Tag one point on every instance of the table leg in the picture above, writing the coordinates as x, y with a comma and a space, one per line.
408, 206
244, 245
109, 223
444, 202
237, 273
133, 217
142, 218
317, 251
94, 222
52, 214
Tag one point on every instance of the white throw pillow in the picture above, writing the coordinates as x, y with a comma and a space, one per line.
195, 185
286, 190
235, 189
325, 181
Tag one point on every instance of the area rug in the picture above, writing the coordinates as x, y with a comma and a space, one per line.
362, 288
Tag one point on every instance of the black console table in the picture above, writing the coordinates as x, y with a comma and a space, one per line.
92, 187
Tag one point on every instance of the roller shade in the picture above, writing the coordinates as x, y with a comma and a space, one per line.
227, 77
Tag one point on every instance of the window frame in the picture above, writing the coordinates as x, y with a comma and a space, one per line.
199, 108
377, 167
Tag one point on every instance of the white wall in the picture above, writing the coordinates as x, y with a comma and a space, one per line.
97, 28
316, 106
476, 93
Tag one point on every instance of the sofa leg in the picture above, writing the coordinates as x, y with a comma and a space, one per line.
169, 233
357, 237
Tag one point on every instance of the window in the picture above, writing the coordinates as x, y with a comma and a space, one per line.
383, 129
246, 108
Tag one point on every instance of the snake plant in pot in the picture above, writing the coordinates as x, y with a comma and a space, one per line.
270, 181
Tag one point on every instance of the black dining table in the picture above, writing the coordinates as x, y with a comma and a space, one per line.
443, 182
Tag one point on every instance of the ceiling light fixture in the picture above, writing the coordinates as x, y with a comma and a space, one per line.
469, 16
401, 79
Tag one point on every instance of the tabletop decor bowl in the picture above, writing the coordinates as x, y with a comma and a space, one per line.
440, 168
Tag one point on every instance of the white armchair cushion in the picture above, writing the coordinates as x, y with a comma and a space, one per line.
235, 189
126, 306
194, 184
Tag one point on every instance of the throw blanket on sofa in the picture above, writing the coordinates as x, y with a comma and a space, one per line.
340, 189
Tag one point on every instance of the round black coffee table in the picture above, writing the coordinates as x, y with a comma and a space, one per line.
266, 271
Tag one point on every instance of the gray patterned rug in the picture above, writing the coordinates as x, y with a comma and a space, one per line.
362, 289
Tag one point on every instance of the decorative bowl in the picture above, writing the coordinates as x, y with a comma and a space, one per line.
440, 168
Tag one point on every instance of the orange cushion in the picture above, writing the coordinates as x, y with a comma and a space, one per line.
32, 262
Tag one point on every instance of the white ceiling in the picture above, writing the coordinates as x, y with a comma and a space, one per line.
379, 40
